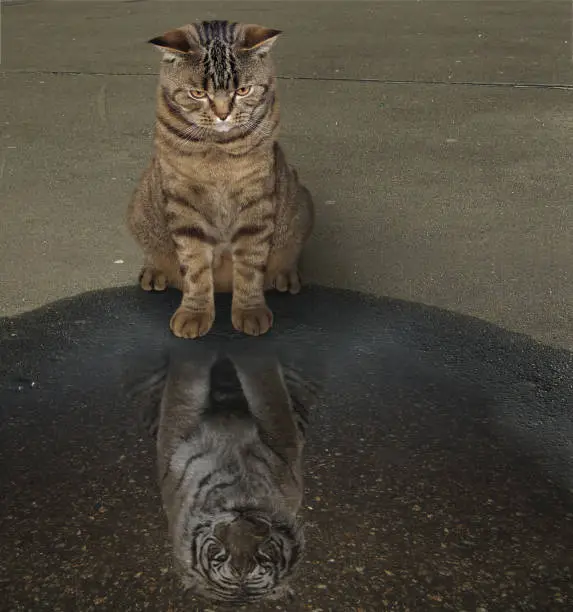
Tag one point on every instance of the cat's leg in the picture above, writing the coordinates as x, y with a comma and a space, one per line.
196, 314
160, 271
282, 270
294, 225
194, 245
152, 278
250, 251
147, 224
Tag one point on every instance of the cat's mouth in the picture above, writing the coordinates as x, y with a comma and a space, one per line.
223, 126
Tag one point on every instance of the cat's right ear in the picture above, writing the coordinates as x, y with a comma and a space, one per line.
175, 42
258, 39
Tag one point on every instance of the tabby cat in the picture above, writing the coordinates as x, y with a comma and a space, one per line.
230, 436
219, 208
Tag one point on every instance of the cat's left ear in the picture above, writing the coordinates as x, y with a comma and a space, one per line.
175, 41
258, 39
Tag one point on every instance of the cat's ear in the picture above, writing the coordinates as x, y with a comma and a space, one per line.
175, 41
258, 38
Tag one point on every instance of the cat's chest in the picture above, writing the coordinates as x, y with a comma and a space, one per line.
224, 180
218, 171
219, 185
224, 211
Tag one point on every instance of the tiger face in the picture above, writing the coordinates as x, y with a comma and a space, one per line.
240, 560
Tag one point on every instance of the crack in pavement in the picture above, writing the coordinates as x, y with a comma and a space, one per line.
514, 84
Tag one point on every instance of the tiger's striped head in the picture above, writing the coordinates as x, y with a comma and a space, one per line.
240, 557
217, 75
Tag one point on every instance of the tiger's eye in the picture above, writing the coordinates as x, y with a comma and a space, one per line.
243, 91
197, 93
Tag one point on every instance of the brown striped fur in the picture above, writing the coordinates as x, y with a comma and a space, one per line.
219, 208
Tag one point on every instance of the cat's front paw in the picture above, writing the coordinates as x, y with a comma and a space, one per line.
287, 281
152, 279
252, 321
187, 323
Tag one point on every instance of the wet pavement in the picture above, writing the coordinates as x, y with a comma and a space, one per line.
438, 466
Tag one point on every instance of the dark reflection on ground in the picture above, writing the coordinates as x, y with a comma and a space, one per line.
437, 466
229, 421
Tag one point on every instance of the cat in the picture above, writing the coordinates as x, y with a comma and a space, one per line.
218, 209
230, 432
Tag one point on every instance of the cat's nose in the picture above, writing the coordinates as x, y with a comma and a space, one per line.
223, 114
221, 108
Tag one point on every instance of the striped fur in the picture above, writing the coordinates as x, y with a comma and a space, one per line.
219, 208
230, 439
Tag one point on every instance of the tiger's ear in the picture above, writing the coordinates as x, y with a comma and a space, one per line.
175, 41
221, 530
258, 38
145, 393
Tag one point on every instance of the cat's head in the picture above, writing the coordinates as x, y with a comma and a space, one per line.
217, 74
241, 558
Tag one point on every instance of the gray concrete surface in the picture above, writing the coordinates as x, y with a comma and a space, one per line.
431, 190
437, 40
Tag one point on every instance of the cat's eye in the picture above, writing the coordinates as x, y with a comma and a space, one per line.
243, 91
198, 94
